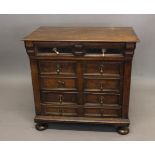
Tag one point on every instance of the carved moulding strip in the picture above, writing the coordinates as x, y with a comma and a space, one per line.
129, 50
29, 47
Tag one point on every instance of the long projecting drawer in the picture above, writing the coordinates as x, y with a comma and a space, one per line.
59, 97
60, 110
93, 111
103, 68
59, 83
102, 84
108, 99
57, 67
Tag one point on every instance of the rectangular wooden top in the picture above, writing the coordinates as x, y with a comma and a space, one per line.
86, 34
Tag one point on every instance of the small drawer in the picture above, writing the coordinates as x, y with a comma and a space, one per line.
58, 83
101, 112
52, 48
57, 67
101, 99
64, 98
101, 84
102, 68
60, 110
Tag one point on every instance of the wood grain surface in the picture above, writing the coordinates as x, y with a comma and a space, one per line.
105, 34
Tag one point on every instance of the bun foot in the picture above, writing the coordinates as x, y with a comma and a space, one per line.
123, 130
41, 126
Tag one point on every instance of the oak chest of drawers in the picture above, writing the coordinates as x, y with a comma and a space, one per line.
81, 74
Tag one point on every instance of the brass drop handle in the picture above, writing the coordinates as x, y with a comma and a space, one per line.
56, 51
61, 111
101, 112
60, 99
61, 83
101, 85
101, 69
58, 68
101, 100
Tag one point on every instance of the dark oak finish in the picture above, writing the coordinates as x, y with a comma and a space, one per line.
59, 97
56, 67
108, 99
100, 68
81, 74
58, 83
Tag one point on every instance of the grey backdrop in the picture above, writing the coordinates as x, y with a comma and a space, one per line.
16, 99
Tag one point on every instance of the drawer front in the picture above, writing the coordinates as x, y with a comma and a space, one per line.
59, 98
68, 48
57, 67
102, 68
102, 84
58, 83
53, 51
101, 99
60, 110
101, 112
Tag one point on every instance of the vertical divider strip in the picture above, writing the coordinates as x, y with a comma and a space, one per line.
80, 87
36, 85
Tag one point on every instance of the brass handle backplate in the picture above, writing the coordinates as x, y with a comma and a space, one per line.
58, 68
101, 100
61, 84
101, 85
60, 99
101, 69
101, 112
61, 111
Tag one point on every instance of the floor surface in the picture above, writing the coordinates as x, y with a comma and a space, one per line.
17, 113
